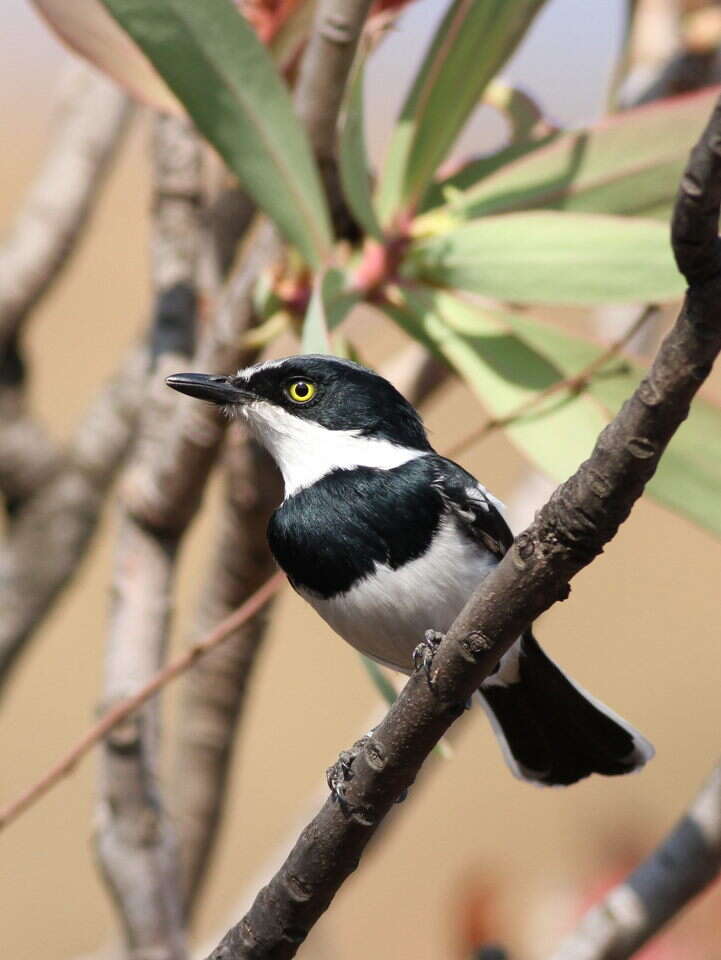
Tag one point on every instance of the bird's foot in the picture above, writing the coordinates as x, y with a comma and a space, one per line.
425, 652
341, 771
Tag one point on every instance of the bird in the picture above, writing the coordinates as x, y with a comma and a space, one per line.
386, 539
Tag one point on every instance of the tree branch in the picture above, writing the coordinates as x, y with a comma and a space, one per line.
133, 837
91, 117
687, 861
321, 83
121, 711
51, 532
215, 690
571, 529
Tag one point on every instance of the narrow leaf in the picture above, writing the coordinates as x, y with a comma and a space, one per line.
353, 159
328, 306
688, 478
379, 680
88, 29
628, 164
549, 257
214, 63
452, 189
504, 371
472, 43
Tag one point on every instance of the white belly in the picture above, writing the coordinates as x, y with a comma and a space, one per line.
386, 615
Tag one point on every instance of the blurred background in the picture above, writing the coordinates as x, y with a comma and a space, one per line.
473, 855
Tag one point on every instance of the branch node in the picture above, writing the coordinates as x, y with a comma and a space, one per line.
473, 645
641, 448
337, 29
648, 393
375, 756
297, 888
599, 484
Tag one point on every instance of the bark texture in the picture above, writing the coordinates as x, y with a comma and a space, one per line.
582, 515
135, 842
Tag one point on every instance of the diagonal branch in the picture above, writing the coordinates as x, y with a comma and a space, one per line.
687, 861
571, 529
51, 533
91, 118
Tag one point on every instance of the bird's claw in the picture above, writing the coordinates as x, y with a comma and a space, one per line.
341, 771
425, 652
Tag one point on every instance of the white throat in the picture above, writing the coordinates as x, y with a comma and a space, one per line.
306, 451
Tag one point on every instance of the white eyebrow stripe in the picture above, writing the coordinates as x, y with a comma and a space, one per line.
247, 372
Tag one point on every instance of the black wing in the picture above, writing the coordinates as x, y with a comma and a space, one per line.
473, 506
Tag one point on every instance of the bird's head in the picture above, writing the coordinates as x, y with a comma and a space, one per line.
315, 414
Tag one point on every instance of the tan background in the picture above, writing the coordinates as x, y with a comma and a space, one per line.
641, 630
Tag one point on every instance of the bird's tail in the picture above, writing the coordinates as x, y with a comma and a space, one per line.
552, 732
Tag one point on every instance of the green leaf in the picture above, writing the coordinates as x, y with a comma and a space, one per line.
474, 40
549, 257
353, 159
379, 679
630, 164
329, 304
688, 478
212, 60
451, 189
508, 358
504, 371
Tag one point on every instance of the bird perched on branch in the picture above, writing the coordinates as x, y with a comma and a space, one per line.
387, 540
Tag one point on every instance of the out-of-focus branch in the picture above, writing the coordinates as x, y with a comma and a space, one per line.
123, 710
91, 117
28, 455
323, 74
50, 534
569, 531
687, 861
215, 690
134, 839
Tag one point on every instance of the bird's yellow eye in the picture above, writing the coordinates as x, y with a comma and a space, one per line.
301, 391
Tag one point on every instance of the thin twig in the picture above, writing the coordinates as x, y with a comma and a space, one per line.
573, 385
321, 82
688, 860
122, 710
583, 514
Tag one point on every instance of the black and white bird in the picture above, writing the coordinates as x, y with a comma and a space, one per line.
387, 540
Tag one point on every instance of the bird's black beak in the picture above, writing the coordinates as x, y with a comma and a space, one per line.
204, 386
